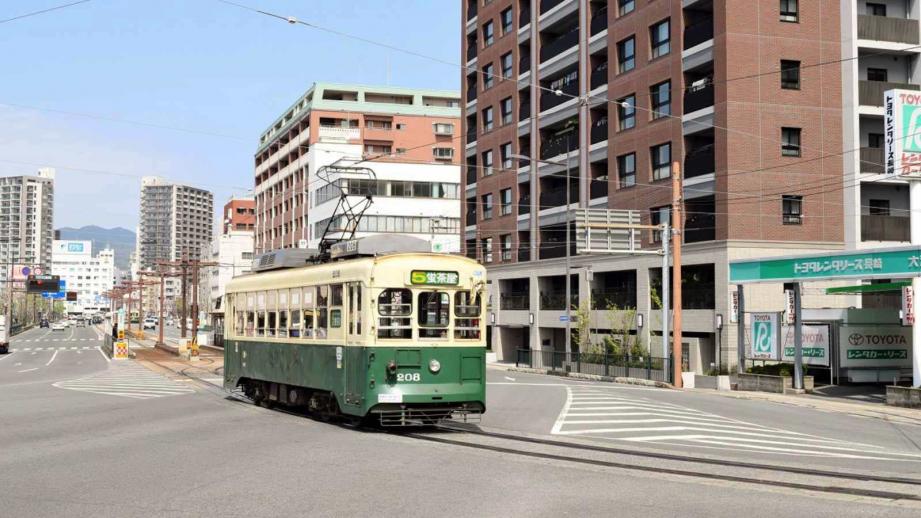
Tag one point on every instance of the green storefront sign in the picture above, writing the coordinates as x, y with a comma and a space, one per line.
900, 262
877, 354
808, 352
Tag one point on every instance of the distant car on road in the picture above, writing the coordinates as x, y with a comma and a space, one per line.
150, 323
44, 323
58, 326
81, 323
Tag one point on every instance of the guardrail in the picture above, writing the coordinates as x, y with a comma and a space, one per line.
647, 367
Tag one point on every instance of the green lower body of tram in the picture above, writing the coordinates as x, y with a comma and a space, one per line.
395, 386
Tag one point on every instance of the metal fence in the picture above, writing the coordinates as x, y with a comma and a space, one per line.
599, 364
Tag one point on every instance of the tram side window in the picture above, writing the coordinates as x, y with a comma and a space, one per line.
322, 311
282, 313
250, 323
467, 307
309, 312
239, 322
434, 314
294, 326
260, 323
395, 305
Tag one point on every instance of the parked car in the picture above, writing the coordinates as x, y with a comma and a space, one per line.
150, 323
59, 326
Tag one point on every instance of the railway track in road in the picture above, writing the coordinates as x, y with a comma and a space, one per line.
875, 486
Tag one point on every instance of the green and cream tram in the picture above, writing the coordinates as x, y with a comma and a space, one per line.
396, 337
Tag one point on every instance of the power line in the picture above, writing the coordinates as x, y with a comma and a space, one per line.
36, 13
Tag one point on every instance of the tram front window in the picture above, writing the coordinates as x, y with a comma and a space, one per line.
395, 307
434, 314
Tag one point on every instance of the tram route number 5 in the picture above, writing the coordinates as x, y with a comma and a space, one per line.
409, 376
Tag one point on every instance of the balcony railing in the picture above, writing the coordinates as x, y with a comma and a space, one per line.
557, 146
621, 298
515, 301
885, 228
871, 160
599, 75
549, 99
698, 98
870, 93
524, 205
524, 63
699, 162
598, 188
471, 50
599, 21
698, 33
600, 130
339, 134
883, 28
556, 300
558, 45
546, 5
557, 197
699, 226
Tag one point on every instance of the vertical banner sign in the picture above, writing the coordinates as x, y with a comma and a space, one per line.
765, 336
908, 306
733, 306
902, 142
790, 308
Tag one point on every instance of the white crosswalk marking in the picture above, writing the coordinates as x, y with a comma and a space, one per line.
127, 379
602, 413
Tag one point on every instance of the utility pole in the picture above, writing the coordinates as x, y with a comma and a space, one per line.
677, 231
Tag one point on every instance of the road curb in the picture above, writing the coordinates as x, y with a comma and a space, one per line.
592, 377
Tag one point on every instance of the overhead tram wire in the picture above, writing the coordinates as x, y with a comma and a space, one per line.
43, 11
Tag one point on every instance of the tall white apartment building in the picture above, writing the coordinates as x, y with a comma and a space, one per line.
91, 277
26, 220
176, 222
233, 251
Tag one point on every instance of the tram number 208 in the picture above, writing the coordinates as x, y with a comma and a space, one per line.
409, 376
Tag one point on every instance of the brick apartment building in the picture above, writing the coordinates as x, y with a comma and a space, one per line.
239, 214
621, 89
406, 137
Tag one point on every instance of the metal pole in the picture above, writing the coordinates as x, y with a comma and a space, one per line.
677, 221
185, 305
797, 338
568, 297
740, 353
160, 323
666, 233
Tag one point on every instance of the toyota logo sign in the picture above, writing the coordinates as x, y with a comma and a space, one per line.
855, 339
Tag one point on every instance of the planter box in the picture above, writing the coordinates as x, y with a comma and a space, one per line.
908, 397
769, 383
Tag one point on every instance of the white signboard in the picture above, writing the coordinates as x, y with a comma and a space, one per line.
790, 304
765, 343
902, 132
875, 346
908, 306
815, 345
733, 306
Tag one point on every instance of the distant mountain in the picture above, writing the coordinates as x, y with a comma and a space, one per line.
119, 239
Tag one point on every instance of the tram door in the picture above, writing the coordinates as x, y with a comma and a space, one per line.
355, 364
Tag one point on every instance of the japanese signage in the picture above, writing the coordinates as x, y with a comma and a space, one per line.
892, 262
434, 278
814, 345
908, 306
875, 346
765, 336
902, 133
734, 306
790, 307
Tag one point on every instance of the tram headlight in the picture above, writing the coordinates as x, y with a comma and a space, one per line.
434, 366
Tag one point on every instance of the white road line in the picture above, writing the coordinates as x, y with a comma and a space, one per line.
52, 358
73, 348
30, 370
560, 419
34, 353
103, 354
5, 356
27, 349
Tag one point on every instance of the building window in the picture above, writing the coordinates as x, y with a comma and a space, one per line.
488, 34
489, 77
505, 154
626, 170
789, 11
506, 244
443, 128
877, 74
626, 55
876, 9
505, 199
789, 74
790, 139
659, 39
625, 7
506, 63
443, 153
378, 149
505, 17
792, 210
661, 100
658, 216
661, 159
486, 244
875, 140
626, 112
487, 206
505, 109
487, 119
376, 124
487, 163
879, 207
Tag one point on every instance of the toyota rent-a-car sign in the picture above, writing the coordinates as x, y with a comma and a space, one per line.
902, 139
874, 346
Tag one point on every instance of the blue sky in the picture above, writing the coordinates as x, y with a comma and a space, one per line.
199, 65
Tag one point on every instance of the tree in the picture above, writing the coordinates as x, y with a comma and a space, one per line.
581, 338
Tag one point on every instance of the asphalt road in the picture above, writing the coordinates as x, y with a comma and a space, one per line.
86, 437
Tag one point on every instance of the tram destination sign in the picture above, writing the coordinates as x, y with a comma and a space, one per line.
435, 278
900, 262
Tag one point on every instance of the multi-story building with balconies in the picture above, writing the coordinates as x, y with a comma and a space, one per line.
744, 95
26, 221
398, 145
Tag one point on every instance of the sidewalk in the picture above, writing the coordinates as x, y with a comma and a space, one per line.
209, 367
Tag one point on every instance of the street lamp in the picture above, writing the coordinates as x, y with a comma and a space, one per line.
568, 301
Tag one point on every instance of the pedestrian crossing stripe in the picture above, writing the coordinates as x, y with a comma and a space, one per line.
601, 413
127, 379
84, 348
